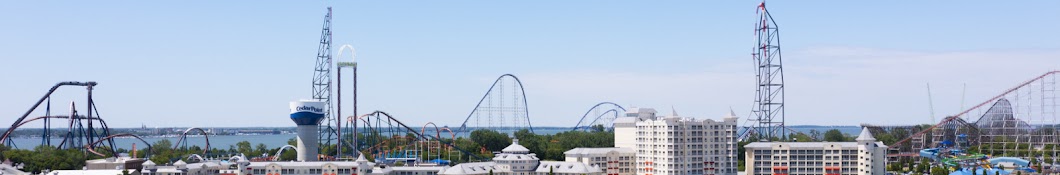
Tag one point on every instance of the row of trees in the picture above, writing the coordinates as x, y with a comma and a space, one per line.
482, 143
547, 146
46, 157
551, 147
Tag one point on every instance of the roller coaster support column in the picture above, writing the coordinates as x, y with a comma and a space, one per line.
91, 131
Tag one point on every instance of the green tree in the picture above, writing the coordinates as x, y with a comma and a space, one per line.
598, 128
492, 140
260, 149
800, 137
834, 135
815, 134
923, 167
163, 143
550, 171
939, 171
244, 147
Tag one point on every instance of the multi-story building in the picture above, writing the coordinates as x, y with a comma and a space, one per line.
865, 156
674, 145
613, 161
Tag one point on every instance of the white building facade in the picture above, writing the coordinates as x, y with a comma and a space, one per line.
866, 156
613, 161
673, 145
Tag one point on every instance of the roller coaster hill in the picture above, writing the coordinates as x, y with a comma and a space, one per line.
1017, 128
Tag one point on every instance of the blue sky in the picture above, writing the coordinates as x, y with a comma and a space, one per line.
238, 63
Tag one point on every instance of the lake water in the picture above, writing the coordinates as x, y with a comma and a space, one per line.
276, 141
216, 141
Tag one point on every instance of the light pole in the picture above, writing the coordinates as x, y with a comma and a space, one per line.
338, 76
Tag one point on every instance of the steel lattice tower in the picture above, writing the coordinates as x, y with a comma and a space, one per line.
322, 81
769, 98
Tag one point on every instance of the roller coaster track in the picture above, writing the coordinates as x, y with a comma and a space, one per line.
184, 136
526, 111
962, 113
18, 122
91, 146
380, 115
589, 124
280, 152
6, 134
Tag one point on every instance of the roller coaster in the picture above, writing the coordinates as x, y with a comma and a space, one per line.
1020, 122
495, 111
605, 112
87, 132
383, 138
182, 141
84, 129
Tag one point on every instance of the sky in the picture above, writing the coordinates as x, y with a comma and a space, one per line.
239, 63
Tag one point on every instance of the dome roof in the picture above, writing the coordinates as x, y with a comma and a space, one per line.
515, 148
180, 162
148, 163
361, 159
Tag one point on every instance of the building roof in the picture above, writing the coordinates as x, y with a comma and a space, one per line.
87, 172
566, 167
763, 145
305, 164
515, 148
361, 158
629, 120
420, 168
506, 156
769, 145
471, 168
865, 135
7, 169
148, 163
585, 151
179, 163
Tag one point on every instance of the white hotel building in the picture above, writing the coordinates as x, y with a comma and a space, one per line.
673, 145
866, 156
613, 161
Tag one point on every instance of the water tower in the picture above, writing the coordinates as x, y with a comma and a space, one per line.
307, 114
